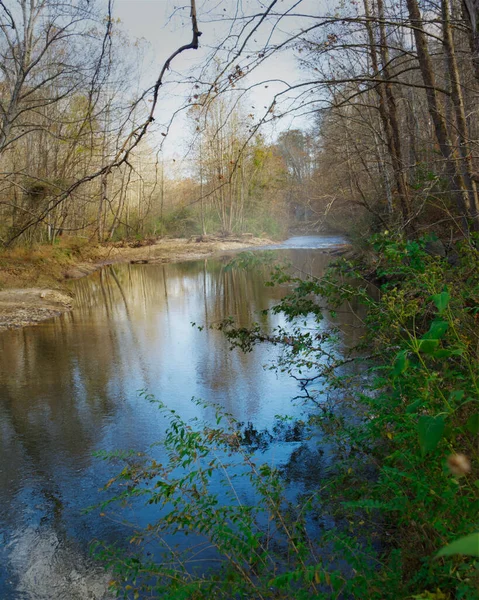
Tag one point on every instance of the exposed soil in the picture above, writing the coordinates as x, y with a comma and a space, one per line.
29, 306
162, 251
33, 285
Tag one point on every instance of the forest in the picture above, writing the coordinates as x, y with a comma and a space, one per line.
269, 119
389, 91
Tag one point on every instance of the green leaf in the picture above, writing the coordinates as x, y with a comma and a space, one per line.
430, 430
412, 408
401, 363
469, 545
443, 353
436, 330
441, 301
472, 424
427, 346
449, 431
456, 396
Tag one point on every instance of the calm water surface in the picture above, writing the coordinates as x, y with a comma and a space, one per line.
69, 387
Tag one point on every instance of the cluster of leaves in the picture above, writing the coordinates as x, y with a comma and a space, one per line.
418, 419
404, 486
259, 547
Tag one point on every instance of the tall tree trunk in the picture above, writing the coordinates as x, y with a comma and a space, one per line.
436, 112
202, 200
121, 203
101, 206
396, 157
460, 114
387, 110
412, 125
162, 203
472, 13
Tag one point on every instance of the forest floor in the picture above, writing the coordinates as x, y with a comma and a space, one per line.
33, 282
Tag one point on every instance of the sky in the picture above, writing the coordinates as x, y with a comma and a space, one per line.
163, 25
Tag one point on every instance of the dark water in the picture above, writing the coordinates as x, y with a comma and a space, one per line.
69, 387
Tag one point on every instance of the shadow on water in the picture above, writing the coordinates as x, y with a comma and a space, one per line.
69, 387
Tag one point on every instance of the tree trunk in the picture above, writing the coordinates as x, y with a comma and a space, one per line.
435, 110
387, 110
101, 205
460, 114
472, 13
396, 157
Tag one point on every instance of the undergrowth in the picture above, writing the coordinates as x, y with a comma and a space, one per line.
39, 264
403, 488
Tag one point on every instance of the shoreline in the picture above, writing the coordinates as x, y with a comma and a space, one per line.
25, 305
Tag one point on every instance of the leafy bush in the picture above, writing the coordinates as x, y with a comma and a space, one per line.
404, 483
182, 222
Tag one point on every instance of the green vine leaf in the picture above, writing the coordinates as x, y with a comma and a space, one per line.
427, 346
468, 545
401, 363
436, 331
441, 301
430, 430
472, 424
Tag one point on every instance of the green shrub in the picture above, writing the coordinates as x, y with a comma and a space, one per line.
182, 222
404, 482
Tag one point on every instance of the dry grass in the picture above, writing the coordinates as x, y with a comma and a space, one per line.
32, 280
47, 266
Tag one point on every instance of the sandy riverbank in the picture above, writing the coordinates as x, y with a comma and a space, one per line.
33, 285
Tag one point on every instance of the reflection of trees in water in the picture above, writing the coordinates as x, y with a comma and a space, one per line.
205, 291
55, 389
56, 383
349, 316
305, 466
41, 389
308, 262
235, 293
204, 287
53, 403
62, 382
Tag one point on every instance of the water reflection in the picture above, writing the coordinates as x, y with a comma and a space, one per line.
69, 387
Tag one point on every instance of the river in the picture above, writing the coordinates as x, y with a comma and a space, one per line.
69, 387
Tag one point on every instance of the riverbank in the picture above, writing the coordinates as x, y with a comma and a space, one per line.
389, 495
33, 283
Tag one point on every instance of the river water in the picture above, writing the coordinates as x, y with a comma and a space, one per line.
69, 387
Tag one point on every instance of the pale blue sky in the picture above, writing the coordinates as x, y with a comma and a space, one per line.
152, 20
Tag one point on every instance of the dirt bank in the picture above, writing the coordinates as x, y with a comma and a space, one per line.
166, 250
29, 306
33, 283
